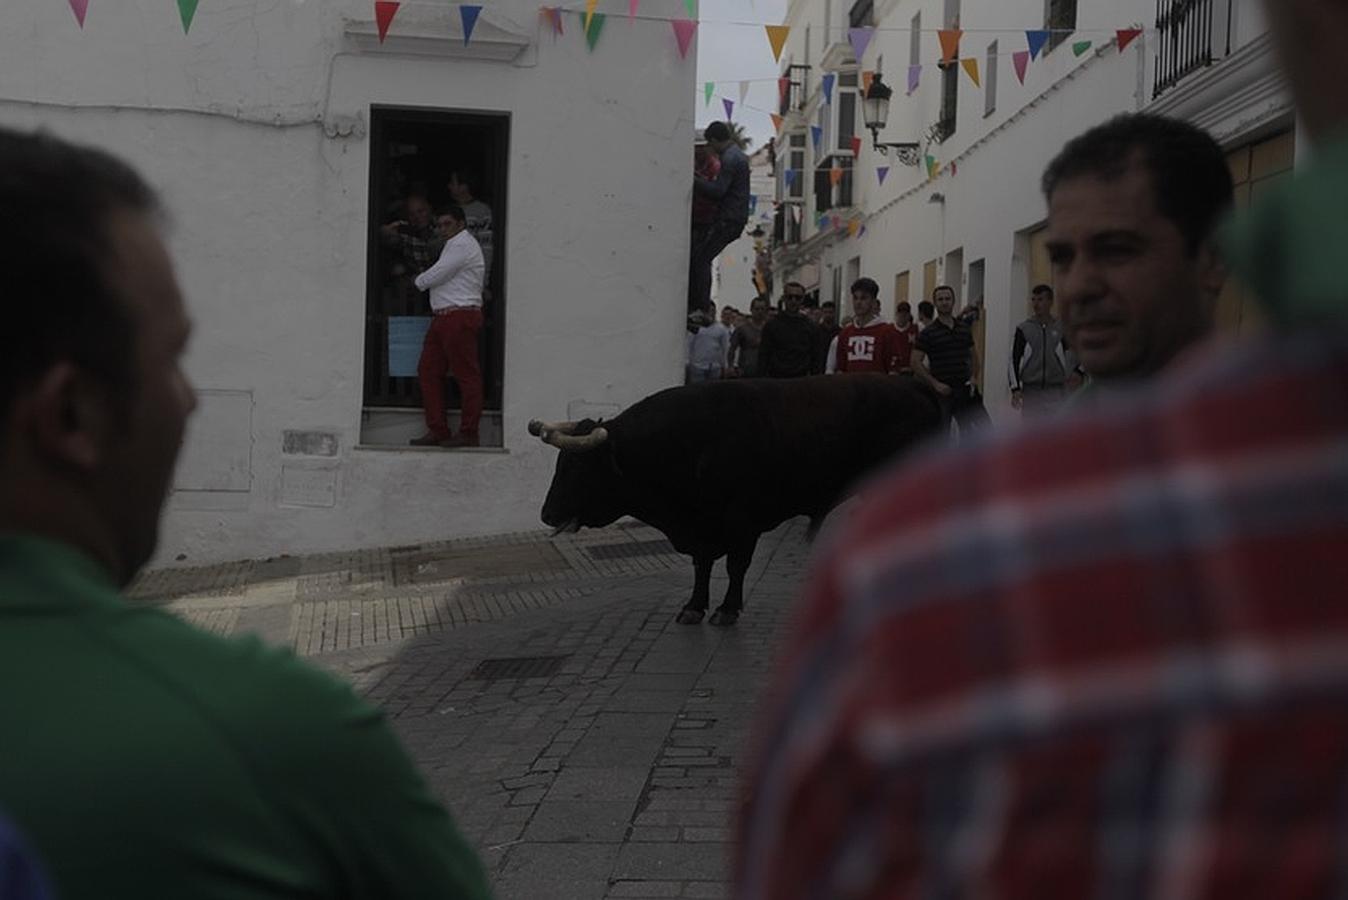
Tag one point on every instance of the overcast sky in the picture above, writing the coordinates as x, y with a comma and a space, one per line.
729, 52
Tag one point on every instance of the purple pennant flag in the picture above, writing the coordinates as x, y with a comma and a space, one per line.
882, 171
729, 107
815, 134
828, 87
1036, 40
914, 78
469, 14
861, 39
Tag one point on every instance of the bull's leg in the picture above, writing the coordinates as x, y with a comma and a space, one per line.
736, 566
696, 608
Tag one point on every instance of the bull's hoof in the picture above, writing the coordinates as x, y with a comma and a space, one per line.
690, 616
724, 618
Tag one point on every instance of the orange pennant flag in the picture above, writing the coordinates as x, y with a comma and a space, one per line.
971, 67
776, 122
835, 175
589, 12
950, 44
384, 11
866, 78
777, 38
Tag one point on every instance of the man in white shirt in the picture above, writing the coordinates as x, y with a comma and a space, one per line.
708, 351
455, 285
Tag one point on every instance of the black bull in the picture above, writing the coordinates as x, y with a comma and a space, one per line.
715, 465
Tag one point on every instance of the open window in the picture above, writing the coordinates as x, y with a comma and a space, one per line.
414, 153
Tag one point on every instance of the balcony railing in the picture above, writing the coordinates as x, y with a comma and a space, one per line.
1185, 34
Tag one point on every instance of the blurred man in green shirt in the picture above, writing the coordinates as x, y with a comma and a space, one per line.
139, 756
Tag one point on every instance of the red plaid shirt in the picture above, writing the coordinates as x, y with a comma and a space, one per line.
1104, 658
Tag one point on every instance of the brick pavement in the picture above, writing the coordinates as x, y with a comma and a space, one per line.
611, 771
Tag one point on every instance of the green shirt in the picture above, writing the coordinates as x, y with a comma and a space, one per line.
144, 758
1290, 246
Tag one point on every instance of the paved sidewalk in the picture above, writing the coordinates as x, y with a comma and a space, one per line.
585, 743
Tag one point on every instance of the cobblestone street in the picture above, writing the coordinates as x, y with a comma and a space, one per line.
586, 744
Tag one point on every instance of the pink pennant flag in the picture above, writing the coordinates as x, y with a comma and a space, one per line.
683, 33
861, 39
384, 11
856, 145
729, 107
881, 172
554, 17
79, 8
1021, 60
632, 9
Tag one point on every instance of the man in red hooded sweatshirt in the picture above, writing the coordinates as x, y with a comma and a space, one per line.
868, 343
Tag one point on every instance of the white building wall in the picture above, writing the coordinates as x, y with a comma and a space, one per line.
254, 129
991, 197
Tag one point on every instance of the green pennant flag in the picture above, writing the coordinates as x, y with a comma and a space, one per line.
708, 89
187, 9
1080, 47
931, 167
691, 6
596, 26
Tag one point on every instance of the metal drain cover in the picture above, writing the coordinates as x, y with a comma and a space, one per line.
516, 667
629, 549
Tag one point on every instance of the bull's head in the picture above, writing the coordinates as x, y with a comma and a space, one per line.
586, 487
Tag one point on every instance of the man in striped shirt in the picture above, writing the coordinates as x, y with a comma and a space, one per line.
947, 344
1109, 656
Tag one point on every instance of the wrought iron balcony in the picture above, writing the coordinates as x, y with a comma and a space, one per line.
1185, 35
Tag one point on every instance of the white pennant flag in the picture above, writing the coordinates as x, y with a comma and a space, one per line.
744, 91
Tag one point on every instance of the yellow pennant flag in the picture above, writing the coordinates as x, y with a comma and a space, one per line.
589, 12
866, 78
777, 38
776, 122
853, 227
971, 67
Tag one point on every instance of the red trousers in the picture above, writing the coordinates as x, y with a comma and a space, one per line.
451, 347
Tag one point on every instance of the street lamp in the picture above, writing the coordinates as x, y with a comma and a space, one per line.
875, 113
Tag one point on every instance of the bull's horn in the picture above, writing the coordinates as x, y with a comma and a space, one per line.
540, 429
571, 442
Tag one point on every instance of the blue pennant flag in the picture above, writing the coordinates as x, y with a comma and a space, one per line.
1036, 40
828, 87
816, 133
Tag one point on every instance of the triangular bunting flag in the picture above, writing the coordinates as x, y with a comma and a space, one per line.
931, 167
1126, 36
862, 231
790, 178
777, 38
384, 11
835, 175
683, 33
1080, 47
753, 203
866, 78
554, 17
632, 9
79, 8
914, 78
590, 6
729, 107
861, 39
783, 85
469, 15
187, 9
744, 91
954, 170
1021, 60
592, 32
950, 44
828, 87
853, 227
816, 133
1036, 40
707, 90
856, 145
881, 172
837, 220
971, 68
823, 221
691, 6
776, 121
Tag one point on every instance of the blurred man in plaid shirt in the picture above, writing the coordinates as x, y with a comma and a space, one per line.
1109, 657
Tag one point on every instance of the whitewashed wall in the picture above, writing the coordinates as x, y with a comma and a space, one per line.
254, 128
